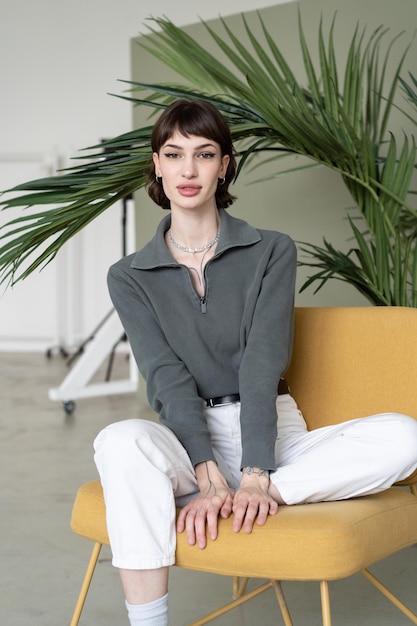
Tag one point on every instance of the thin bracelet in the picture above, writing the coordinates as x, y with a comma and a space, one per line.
251, 470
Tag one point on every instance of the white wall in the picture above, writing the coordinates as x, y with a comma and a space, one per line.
58, 62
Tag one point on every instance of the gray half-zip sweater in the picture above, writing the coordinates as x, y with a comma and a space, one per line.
237, 339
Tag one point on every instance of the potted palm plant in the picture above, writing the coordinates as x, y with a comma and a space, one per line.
339, 123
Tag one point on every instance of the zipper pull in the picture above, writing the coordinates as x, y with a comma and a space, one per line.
203, 305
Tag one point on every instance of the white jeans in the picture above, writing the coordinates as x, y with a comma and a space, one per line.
146, 473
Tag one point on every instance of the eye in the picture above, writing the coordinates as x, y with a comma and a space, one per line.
207, 155
171, 155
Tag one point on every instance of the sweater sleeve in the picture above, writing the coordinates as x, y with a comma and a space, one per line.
171, 390
267, 354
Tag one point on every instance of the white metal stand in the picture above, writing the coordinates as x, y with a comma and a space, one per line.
102, 344
75, 385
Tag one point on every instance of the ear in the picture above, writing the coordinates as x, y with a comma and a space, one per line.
155, 159
223, 167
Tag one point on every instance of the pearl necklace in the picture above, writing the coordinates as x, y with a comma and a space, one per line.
207, 246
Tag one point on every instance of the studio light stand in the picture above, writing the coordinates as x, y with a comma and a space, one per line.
101, 343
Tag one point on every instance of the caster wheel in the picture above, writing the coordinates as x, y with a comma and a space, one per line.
59, 349
69, 407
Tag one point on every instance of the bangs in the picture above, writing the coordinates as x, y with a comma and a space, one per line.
189, 119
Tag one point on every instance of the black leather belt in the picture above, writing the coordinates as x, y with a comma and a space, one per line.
235, 397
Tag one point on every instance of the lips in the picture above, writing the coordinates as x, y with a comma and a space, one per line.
188, 189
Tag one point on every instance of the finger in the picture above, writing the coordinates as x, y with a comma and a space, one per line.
181, 519
273, 507
212, 521
262, 513
226, 508
213, 511
239, 512
200, 529
252, 513
190, 527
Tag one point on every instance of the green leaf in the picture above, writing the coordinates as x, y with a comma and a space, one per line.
337, 117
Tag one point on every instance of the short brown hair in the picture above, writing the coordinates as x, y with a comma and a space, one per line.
193, 117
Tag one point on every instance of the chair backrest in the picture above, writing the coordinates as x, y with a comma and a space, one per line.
352, 362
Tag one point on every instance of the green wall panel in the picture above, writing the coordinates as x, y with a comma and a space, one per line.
307, 205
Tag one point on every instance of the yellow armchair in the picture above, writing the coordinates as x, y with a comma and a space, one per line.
346, 363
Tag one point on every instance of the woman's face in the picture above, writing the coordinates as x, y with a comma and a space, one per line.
190, 168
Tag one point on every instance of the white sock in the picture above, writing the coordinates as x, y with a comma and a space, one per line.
153, 613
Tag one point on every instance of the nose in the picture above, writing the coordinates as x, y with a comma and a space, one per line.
189, 169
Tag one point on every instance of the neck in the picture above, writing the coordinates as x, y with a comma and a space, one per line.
194, 230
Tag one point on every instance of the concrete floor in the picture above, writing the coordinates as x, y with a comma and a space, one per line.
45, 455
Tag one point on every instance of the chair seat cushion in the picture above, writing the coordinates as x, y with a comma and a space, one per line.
323, 541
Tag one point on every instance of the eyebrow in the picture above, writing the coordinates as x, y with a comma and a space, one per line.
200, 147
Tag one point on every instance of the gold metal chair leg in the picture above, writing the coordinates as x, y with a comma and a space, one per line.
388, 594
413, 489
232, 605
325, 603
86, 584
282, 603
239, 586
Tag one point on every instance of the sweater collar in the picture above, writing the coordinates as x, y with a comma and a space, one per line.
234, 233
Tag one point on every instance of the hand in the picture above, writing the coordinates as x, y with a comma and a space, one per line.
252, 502
215, 498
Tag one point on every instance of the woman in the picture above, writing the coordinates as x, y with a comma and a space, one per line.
207, 305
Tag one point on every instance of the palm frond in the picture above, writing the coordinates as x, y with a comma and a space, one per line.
338, 119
